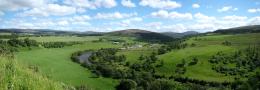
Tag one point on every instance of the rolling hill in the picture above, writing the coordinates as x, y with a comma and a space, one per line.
180, 35
240, 30
142, 35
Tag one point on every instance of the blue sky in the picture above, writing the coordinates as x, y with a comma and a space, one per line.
111, 15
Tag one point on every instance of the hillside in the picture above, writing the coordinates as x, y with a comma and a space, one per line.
180, 35
240, 30
15, 76
142, 35
48, 32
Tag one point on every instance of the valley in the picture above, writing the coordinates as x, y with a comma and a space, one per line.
130, 57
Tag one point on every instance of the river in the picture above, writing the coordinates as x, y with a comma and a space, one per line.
83, 58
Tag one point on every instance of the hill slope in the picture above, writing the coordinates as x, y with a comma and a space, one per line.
180, 35
142, 35
237, 30
16, 77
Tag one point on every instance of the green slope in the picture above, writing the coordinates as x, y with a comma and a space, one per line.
15, 76
56, 63
206, 46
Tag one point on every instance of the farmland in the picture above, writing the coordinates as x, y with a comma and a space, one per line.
187, 59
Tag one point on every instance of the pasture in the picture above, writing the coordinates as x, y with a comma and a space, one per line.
56, 64
206, 46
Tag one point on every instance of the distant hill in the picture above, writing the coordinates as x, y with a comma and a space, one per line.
180, 35
142, 35
48, 32
237, 30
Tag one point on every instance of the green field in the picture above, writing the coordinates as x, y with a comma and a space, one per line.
206, 46
17, 76
56, 64
62, 38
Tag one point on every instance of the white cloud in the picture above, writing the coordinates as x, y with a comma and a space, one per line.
63, 23
227, 8
154, 25
135, 19
204, 18
50, 9
105, 3
235, 18
81, 23
81, 10
80, 18
13, 5
115, 15
254, 21
254, 10
171, 15
80, 3
92, 4
195, 5
127, 3
162, 4
126, 22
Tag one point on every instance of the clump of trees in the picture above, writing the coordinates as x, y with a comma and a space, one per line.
177, 44
194, 61
226, 43
246, 60
22, 42
139, 75
58, 44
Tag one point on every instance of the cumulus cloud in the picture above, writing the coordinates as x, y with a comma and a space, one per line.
80, 18
227, 8
21, 4
115, 15
127, 3
162, 4
235, 18
50, 9
134, 19
195, 5
254, 21
253, 10
91, 4
204, 18
171, 15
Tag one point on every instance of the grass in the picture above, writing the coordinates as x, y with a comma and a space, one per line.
132, 55
206, 46
15, 76
63, 38
56, 64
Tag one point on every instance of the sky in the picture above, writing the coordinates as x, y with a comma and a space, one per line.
111, 15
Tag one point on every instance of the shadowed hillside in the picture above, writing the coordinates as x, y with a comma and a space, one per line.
142, 35
238, 30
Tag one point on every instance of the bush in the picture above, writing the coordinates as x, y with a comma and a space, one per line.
127, 84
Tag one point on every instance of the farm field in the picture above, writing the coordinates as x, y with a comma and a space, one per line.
209, 61
56, 64
63, 38
206, 46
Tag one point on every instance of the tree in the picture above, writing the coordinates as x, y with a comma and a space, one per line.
194, 61
127, 84
193, 45
141, 58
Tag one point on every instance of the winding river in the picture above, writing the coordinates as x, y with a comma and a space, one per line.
83, 58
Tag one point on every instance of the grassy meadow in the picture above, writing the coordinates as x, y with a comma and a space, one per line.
62, 38
56, 69
206, 46
56, 64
